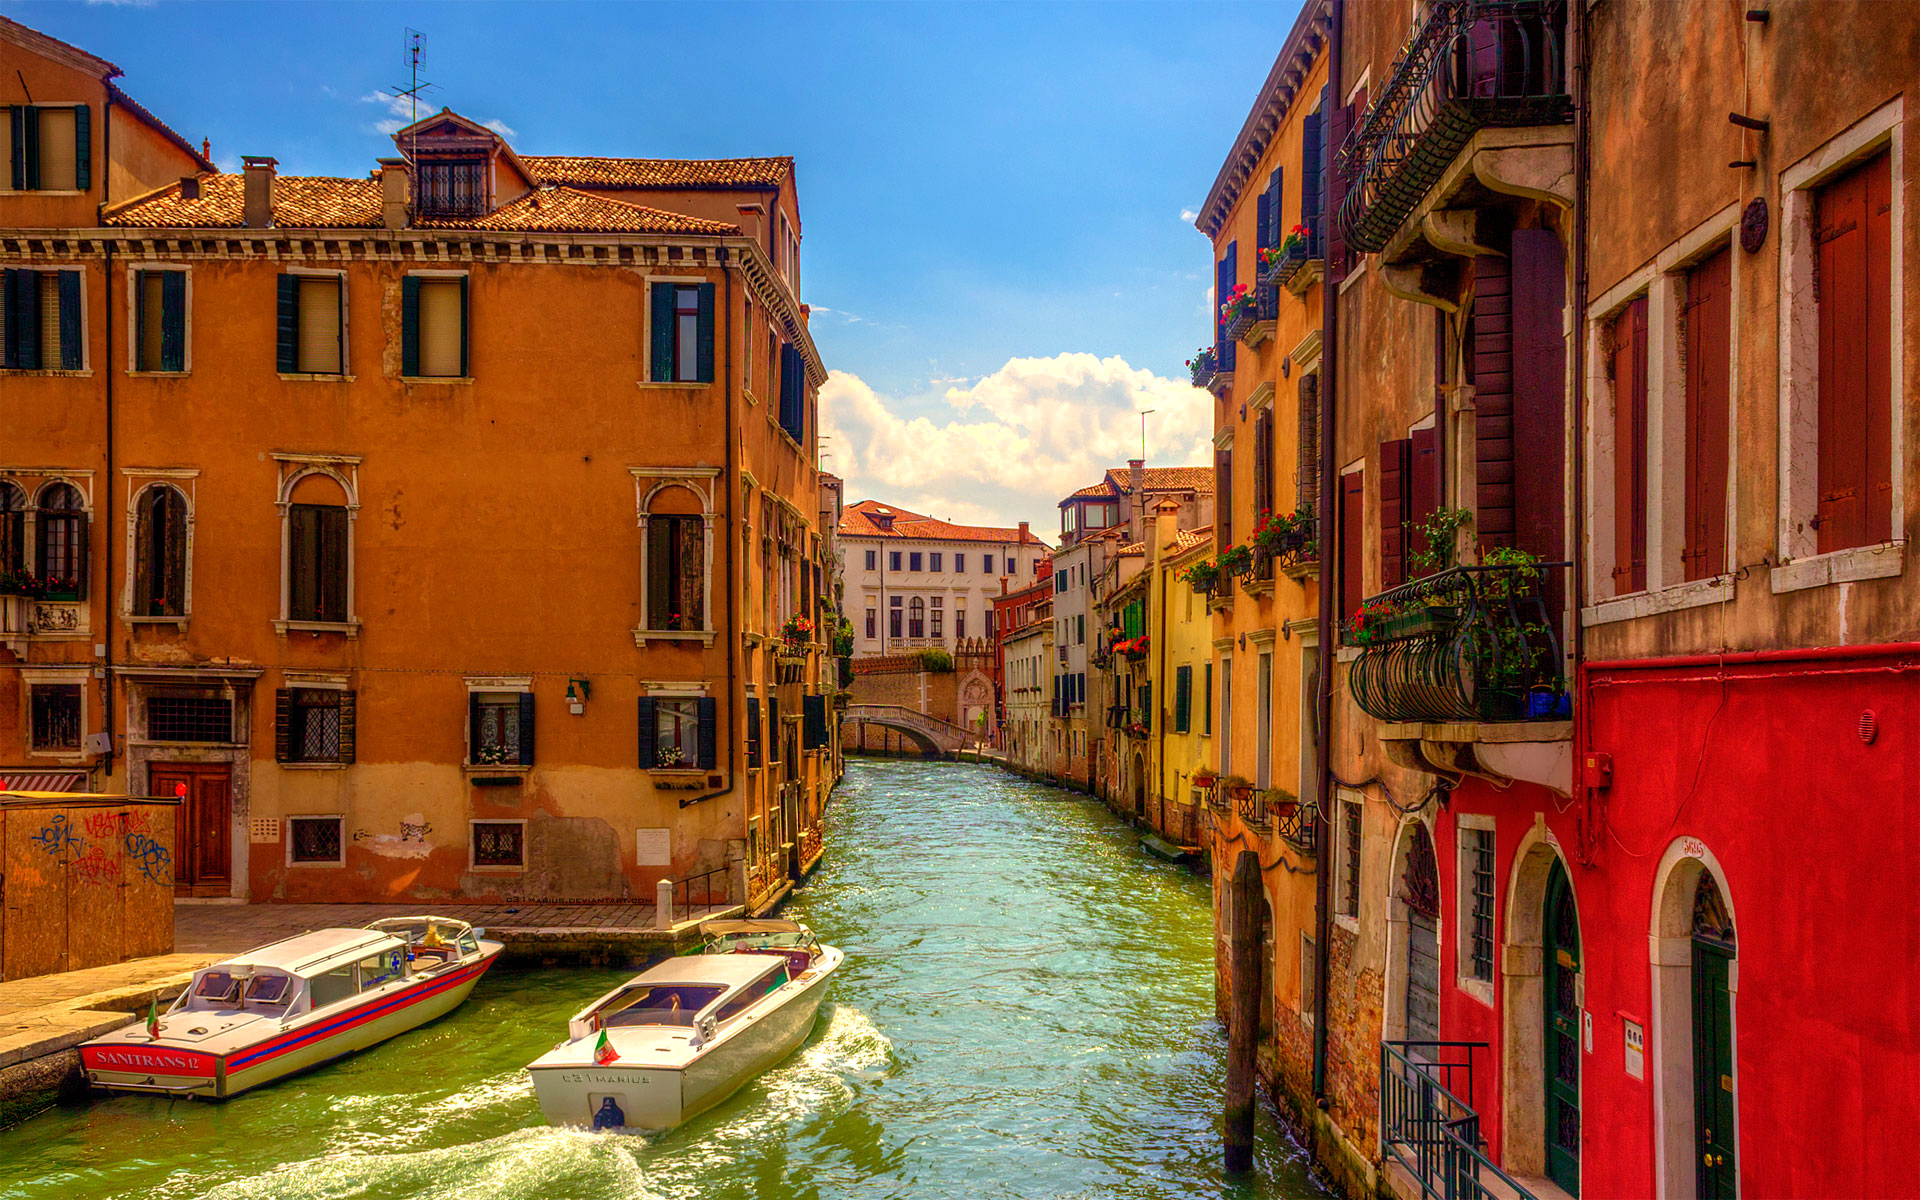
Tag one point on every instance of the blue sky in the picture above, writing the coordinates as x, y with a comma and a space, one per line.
992, 194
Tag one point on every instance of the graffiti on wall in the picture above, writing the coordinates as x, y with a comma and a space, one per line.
83, 848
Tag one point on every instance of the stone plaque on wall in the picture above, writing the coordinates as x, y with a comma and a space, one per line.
653, 847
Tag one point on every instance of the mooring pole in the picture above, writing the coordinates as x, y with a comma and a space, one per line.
1243, 1025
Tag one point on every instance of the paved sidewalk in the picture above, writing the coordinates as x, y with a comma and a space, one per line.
49, 1013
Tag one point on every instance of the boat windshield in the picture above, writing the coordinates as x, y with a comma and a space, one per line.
216, 989
268, 993
672, 1004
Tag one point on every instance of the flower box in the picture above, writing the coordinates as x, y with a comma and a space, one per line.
1425, 621
1241, 323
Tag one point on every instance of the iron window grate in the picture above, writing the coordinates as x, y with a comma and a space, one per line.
189, 719
316, 839
56, 716
315, 717
1350, 900
499, 844
1480, 848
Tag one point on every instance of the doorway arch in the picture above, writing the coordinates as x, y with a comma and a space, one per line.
1139, 785
1537, 868
1412, 974
1696, 976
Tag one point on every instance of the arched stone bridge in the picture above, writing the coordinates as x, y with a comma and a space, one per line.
933, 736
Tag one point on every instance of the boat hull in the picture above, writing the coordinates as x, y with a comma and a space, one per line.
162, 1067
663, 1097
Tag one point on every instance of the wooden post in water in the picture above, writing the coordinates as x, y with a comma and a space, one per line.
1243, 1023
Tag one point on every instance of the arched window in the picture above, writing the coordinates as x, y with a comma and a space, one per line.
317, 551
13, 529
916, 618
160, 553
62, 541
676, 561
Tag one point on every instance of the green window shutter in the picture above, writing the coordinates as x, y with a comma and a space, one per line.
463, 326
26, 323
26, 136
70, 347
289, 324
753, 731
173, 321
526, 729
82, 147
17, 158
473, 727
139, 318
661, 314
707, 711
647, 727
410, 325
706, 333
11, 292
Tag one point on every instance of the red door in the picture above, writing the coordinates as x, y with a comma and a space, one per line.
203, 826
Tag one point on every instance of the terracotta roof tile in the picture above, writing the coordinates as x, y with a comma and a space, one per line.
584, 172
1156, 479
857, 521
1186, 539
302, 202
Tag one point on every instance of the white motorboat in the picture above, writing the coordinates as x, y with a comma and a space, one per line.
682, 1036
294, 1004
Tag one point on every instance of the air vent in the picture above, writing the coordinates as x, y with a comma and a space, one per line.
1869, 727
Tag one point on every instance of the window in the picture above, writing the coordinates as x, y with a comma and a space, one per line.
317, 562
13, 528
682, 315
160, 553
917, 618
1853, 473
1306, 976
312, 326
500, 728
871, 556
1347, 866
1708, 332
160, 321
316, 840
1226, 715
49, 147
56, 716
913, 562
62, 541
42, 316
1206, 700
935, 565
1263, 720
450, 187
893, 560
380, 968
1476, 868
676, 572
314, 725
893, 616
939, 616
1353, 499
1182, 698
989, 618
1627, 367
959, 564
679, 733
1080, 629
873, 623
189, 719
333, 987
433, 327
499, 843
986, 564
793, 393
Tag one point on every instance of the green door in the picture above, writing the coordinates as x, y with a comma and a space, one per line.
1560, 948
1713, 1114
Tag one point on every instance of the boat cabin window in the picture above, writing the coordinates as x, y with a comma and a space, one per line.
336, 985
752, 994
216, 989
268, 993
384, 967
663, 1004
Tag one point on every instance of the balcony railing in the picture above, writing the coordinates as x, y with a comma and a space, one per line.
1299, 828
1430, 1130
1471, 65
1466, 644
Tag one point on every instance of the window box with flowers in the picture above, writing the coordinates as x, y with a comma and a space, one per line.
1203, 367
797, 631
1294, 264
1202, 576
1240, 311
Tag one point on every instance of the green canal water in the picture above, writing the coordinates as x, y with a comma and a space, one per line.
1026, 1010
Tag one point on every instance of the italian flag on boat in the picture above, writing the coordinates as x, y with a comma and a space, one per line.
603, 1051
153, 1019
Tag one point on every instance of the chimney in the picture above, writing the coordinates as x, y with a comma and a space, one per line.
1166, 525
258, 170
1137, 500
396, 192
1024, 535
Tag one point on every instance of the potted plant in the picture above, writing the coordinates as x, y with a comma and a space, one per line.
19, 581
1203, 366
797, 630
668, 758
1236, 560
1204, 778
1432, 548
1236, 786
1202, 576
491, 756
1280, 803
1239, 310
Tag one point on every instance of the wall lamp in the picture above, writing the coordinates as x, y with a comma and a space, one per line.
579, 691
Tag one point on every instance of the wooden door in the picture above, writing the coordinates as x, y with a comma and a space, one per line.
1420, 892
203, 826
1560, 948
1713, 1111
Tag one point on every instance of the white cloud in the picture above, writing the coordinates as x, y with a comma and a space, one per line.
1013, 444
1188, 216
500, 127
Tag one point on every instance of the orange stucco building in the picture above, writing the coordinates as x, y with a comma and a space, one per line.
433, 533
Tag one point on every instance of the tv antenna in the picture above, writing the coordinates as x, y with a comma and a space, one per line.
1143, 431
413, 90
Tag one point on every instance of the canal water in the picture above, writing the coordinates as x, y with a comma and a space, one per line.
1026, 1010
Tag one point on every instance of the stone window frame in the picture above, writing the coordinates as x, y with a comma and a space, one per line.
53, 676
1464, 979
139, 481
32, 482
85, 369
1800, 565
520, 684
648, 484
344, 470
306, 864
499, 868
133, 269
345, 373
1350, 819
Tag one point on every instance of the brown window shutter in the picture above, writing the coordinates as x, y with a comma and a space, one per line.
348, 710
1709, 324
1263, 463
282, 724
1540, 402
1353, 518
1223, 502
1395, 461
1306, 459
1423, 493
1629, 368
1854, 486
1490, 370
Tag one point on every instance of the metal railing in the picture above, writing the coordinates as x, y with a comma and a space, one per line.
1252, 806
1465, 644
1471, 64
702, 895
1430, 1130
1300, 828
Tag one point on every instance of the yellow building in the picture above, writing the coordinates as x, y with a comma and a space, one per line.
1182, 655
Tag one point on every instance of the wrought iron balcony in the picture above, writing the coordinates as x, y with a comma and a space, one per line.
1472, 64
1465, 644
1299, 828
1430, 1130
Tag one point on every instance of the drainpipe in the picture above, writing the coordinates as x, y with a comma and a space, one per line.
1323, 701
106, 493
736, 580
1582, 178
